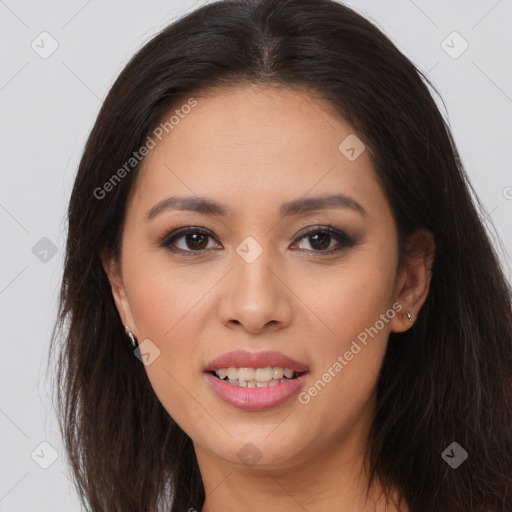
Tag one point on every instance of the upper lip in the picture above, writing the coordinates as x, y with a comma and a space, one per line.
244, 358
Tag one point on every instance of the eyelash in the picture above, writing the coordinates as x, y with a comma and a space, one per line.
345, 240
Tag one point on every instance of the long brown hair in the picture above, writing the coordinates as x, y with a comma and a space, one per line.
449, 380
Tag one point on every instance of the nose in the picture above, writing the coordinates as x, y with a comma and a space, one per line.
255, 296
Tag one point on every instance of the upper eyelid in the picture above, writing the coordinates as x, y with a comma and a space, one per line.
182, 231
302, 232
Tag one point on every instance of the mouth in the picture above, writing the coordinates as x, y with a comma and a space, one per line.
247, 377
255, 380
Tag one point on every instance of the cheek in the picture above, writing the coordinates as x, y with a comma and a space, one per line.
167, 310
349, 304
348, 300
164, 298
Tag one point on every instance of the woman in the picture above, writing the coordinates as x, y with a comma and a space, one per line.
278, 293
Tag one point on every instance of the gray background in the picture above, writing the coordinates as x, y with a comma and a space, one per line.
48, 107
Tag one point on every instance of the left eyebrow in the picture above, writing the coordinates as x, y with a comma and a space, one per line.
321, 203
210, 207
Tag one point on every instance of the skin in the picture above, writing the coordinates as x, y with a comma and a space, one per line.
253, 148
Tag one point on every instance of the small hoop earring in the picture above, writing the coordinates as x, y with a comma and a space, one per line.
133, 340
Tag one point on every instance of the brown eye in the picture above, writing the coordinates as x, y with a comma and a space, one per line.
192, 239
320, 240
196, 240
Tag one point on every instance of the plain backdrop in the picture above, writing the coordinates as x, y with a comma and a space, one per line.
48, 106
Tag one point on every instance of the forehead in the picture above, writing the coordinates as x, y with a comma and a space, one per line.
271, 123
255, 143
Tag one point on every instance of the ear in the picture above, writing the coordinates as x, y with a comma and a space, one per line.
112, 268
413, 280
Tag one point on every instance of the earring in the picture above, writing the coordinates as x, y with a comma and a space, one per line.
408, 316
133, 340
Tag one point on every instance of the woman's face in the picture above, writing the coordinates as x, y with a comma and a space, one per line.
248, 277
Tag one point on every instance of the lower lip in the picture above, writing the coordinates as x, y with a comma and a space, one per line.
255, 399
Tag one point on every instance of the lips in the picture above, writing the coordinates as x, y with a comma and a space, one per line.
248, 395
256, 399
251, 359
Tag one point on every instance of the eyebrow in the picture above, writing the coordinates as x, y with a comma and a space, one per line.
207, 206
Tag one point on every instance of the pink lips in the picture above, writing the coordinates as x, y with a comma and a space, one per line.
247, 359
255, 398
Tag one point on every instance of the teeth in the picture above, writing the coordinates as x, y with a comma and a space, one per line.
263, 374
256, 384
255, 377
246, 374
288, 373
232, 373
277, 372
